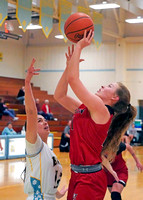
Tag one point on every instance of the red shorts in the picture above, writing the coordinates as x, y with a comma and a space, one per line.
122, 174
87, 186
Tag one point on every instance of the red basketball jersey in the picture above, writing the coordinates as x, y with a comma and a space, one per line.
86, 138
119, 166
119, 163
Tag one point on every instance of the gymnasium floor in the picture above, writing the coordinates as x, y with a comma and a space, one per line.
11, 186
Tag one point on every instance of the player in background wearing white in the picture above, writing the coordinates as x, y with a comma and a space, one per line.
43, 170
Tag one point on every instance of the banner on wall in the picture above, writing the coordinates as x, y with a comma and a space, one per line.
3, 10
46, 16
23, 13
65, 9
1, 56
83, 10
97, 20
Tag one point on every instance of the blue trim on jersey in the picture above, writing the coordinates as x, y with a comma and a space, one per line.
37, 188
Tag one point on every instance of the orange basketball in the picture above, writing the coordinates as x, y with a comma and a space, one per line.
76, 24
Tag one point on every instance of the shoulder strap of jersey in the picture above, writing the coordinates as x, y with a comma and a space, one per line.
110, 109
35, 154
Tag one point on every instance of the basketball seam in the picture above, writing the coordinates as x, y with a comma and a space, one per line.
76, 20
79, 30
73, 40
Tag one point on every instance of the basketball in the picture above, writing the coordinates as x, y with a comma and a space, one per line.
75, 26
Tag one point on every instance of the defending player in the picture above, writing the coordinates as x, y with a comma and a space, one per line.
43, 170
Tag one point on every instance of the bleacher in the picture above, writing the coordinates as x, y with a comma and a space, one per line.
9, 88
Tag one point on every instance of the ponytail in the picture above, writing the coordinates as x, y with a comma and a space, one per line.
123, 117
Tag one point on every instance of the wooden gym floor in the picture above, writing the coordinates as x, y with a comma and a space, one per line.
11, 186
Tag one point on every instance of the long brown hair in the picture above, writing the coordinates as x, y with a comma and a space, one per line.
123, 117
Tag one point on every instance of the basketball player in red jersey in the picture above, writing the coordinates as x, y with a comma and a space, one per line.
90, 124
119, 166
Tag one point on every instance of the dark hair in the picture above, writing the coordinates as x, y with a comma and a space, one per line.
9, 123
124, 114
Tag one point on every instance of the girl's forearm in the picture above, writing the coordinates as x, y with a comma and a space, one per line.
73, 69
29, 99
130, 149
107, 164
134, 156
62, 87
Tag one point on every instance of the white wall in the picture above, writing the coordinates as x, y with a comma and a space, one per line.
12, 64
99, 68
134, 73
94, 70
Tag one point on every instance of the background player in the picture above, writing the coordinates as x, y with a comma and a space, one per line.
119, 166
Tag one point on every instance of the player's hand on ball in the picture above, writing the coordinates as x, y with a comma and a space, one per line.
69, 55
86, 41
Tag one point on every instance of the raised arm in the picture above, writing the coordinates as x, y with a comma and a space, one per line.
138, 164
62, 88
92, 101
30, 106
107, 165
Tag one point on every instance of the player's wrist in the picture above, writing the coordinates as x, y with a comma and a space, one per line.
78, 46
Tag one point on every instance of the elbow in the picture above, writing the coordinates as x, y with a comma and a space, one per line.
56, 97
57, 94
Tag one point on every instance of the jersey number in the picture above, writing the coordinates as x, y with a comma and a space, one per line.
57, 178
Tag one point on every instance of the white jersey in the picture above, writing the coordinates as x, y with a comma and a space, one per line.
43, 172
